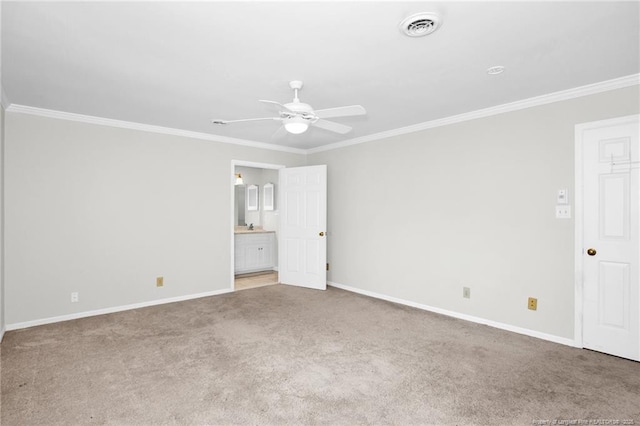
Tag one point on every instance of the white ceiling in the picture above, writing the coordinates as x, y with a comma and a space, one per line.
179, 64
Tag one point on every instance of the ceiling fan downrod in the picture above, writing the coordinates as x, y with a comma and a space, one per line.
295, 85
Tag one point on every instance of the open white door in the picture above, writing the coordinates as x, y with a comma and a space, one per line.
610, 233
302, 253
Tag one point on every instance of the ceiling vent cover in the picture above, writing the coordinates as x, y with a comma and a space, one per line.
420, 24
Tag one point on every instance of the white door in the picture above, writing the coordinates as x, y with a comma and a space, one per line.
302, 254
610, 235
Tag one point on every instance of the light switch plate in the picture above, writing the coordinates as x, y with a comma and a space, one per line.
563, 212
563, 196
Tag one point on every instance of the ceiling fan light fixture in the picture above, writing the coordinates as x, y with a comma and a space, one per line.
296, 116
296, 125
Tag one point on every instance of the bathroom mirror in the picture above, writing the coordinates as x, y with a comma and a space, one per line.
239, 209
252, 198
268, 196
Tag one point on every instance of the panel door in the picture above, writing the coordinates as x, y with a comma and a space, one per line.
303, 219
611, 299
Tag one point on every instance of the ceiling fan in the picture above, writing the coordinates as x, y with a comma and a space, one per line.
296, 117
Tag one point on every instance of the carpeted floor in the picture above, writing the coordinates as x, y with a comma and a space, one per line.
282, 355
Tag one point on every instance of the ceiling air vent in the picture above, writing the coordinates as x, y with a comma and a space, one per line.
420, 24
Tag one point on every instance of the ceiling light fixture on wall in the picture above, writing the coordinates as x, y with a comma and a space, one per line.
420, 24
296, 125
498, 69
239, 180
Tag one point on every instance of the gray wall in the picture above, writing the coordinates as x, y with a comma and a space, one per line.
103, 211
419, 216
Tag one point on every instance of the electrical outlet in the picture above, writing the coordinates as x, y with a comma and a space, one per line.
533, 303
74, 297
159, 281
563, 212
466, 292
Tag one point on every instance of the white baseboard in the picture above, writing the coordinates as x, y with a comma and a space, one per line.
502, 326
27, 324
478, 320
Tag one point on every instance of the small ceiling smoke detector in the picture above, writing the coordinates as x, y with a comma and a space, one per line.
420, 24
499, 69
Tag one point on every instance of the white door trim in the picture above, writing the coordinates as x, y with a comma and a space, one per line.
578, 218
232, 181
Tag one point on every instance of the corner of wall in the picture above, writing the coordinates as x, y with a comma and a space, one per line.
4, 102
4, 99
2, 168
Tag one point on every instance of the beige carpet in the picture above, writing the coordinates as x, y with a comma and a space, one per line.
280, 355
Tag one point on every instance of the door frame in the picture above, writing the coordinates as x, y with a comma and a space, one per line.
232, 181
578, 217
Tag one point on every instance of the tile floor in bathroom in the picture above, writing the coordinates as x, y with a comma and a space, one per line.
259, 279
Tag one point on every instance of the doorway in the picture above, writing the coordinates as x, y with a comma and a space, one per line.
254, 227
608, 237
295, 245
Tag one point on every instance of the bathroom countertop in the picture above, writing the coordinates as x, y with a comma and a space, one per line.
256, 230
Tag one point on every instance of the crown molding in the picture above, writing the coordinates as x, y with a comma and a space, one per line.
590, 89
563, 95
49, 113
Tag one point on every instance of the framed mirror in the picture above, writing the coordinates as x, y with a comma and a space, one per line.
269, 196
252, 198
240, 197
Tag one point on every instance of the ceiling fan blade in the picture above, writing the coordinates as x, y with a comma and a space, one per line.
218, 121
281, 132
332, 126
340, 111
274, 103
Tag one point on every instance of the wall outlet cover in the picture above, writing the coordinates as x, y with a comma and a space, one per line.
563, 212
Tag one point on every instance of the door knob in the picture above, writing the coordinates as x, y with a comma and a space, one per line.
591, 252
321, 234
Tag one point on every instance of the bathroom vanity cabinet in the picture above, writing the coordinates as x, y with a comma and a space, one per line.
254, 252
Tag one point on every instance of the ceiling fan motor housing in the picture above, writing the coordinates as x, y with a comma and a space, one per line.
299, 109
